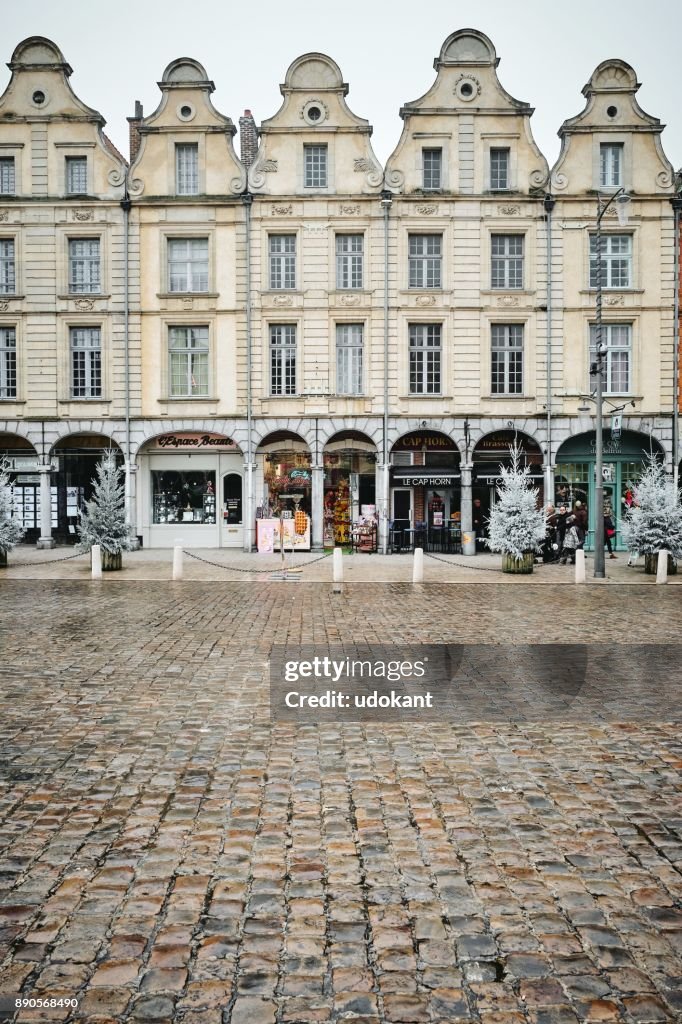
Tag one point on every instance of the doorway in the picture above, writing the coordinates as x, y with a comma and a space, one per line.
231, 513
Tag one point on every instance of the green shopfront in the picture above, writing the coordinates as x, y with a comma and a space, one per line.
575, 477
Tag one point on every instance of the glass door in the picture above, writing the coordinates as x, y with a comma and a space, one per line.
231, 511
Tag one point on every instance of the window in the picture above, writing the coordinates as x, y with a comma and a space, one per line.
616, 365
282, 359
425, 261
315, 166
349, 258
349, 359
425, 357
84, 275
506, 261
180, 496
188, 361
616, 261
507, 359
86, 362
7, 176
282, 261
7, 267
8, 362
188, 264
432, 160
76, 175
611, 165
187, 169
499, 169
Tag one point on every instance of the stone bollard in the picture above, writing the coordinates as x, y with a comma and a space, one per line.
662, 568
337, 570
177, 560
96, 559
418, 566
580, 566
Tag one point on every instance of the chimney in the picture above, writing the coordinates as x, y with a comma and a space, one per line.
248, 138
134, 130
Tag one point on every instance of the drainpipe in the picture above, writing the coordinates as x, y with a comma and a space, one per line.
386, 201
125, 206
247, 200
677, 207
549, 203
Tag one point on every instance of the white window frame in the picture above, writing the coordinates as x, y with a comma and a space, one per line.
186, 177
611, 164
196, 265
89, 262
282, 261
495, 185
616, 261
9, 370
425, 261
315, 168
90, 368
349, 358
282, 357
425, 363
429, 153
75, 167
193, 358
350, 260
617, 337
8, 266
8, 176
506, 359
507, 258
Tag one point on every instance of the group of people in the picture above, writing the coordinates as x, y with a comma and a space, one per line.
567, 530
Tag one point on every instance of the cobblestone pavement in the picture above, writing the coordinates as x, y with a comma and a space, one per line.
168, 855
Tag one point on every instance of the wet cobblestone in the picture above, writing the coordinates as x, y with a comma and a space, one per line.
167, 854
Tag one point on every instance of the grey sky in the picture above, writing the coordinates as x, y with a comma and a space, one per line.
548, 51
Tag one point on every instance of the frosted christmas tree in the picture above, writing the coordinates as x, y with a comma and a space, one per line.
103, 521
517, 526
11, 529
654, 522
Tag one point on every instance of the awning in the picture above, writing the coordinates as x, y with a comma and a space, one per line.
424, 476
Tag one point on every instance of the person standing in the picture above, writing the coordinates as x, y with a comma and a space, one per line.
562, 516
609, 533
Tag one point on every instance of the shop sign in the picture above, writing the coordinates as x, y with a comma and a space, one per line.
27, 464
299, 474
431, 442
426, 481
616, 423
501, 442
610, 447
193, 442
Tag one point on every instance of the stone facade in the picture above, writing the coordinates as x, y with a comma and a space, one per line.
307, 304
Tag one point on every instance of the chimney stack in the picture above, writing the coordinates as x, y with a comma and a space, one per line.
248, 138
134, 130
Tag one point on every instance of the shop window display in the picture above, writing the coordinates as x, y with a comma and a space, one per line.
288, 482
183, 497
349, 484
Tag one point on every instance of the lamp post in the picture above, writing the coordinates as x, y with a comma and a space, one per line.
621, 198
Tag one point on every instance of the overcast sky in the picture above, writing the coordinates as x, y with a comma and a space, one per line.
118, 52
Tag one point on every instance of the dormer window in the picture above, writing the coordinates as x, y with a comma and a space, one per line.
315, 166
7, 176
76, 175
611, 165
499, 170
432, 169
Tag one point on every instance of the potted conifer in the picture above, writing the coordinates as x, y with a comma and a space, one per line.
517, 527
11, 528
654, 521
103, 520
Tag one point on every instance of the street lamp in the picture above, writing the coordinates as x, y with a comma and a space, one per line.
621, 199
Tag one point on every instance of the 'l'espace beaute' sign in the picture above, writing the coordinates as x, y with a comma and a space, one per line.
193, 442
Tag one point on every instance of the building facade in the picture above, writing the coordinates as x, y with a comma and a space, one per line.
305, 330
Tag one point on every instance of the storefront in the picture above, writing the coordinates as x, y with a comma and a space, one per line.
349, 485
191, 489
622, 465
285, 475
21, 461
76, 458
491, 452
425, 480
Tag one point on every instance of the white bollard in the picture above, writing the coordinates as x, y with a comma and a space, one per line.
662, 567
338, 565
177, 560
418, 566
580, 566
96, 557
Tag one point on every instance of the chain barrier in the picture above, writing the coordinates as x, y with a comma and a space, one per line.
482, 568
255, 572
47, 561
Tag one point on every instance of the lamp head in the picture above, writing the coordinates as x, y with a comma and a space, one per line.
622, 208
